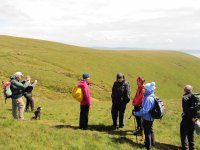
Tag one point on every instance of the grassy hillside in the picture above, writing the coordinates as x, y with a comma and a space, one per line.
58, 67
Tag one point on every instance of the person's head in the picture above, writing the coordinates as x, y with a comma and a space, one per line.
150, 87
188, 89
18, 75
28, 78
140, 81
86, 76
120, 77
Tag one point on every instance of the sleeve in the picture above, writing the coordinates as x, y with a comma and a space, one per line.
147, 105
20, 85
133, 101
139, 96
186, 107
86, 94
113, 93
128, 93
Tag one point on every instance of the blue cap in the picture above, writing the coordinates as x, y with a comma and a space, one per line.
86, 75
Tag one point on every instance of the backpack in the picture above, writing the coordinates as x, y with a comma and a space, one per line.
195, 106
77, 93
158, 110
6, 90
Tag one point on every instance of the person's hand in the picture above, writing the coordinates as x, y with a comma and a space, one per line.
194, 119
36, 81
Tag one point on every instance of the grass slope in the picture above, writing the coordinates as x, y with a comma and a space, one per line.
58, 67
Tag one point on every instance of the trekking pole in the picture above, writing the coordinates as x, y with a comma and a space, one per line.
135, 129
131, 114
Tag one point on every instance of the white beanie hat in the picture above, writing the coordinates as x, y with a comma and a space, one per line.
150, 86
18, 74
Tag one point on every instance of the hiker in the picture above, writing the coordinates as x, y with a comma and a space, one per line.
188, 121
120, 97
28, 93
85, 103
17, 89
137, 103
147, 105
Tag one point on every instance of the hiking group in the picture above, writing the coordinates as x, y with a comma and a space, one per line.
147, 107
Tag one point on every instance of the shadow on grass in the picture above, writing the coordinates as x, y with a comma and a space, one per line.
122, 136
99, 128
158, 146
165, 146
109, 129
3, 117
126, 140
66, 126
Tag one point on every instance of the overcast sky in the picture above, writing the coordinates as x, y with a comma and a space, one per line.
151, 24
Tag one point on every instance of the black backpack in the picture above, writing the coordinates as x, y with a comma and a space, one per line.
158, 110
195, 106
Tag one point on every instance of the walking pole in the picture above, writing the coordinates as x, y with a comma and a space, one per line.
134, 123
135, 129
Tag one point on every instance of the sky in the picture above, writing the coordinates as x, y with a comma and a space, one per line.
146, 24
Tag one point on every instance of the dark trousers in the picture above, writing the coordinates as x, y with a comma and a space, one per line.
29, 101
118, 109
149, 134
187, 134
83, 121
138, 118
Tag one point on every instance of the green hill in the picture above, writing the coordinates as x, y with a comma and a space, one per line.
58, 67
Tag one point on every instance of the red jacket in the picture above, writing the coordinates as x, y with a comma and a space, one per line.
139, 96
84, 85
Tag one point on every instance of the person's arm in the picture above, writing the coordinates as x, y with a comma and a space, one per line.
147, 105
34, 84
186, 104
139, 96
128, 92
86, 94
19, 85
112, 94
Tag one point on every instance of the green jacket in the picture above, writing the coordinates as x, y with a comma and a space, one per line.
17, 88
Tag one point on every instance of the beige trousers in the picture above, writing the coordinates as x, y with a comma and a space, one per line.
18, 104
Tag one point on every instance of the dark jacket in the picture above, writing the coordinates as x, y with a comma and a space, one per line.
28, 90
186, 105
120, 92
17, 88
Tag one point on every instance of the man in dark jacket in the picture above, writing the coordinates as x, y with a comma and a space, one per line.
187, 123
17, 89
120, 97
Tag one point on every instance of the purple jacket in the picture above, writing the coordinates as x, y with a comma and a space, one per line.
84, 85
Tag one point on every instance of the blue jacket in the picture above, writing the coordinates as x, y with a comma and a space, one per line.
147, 105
